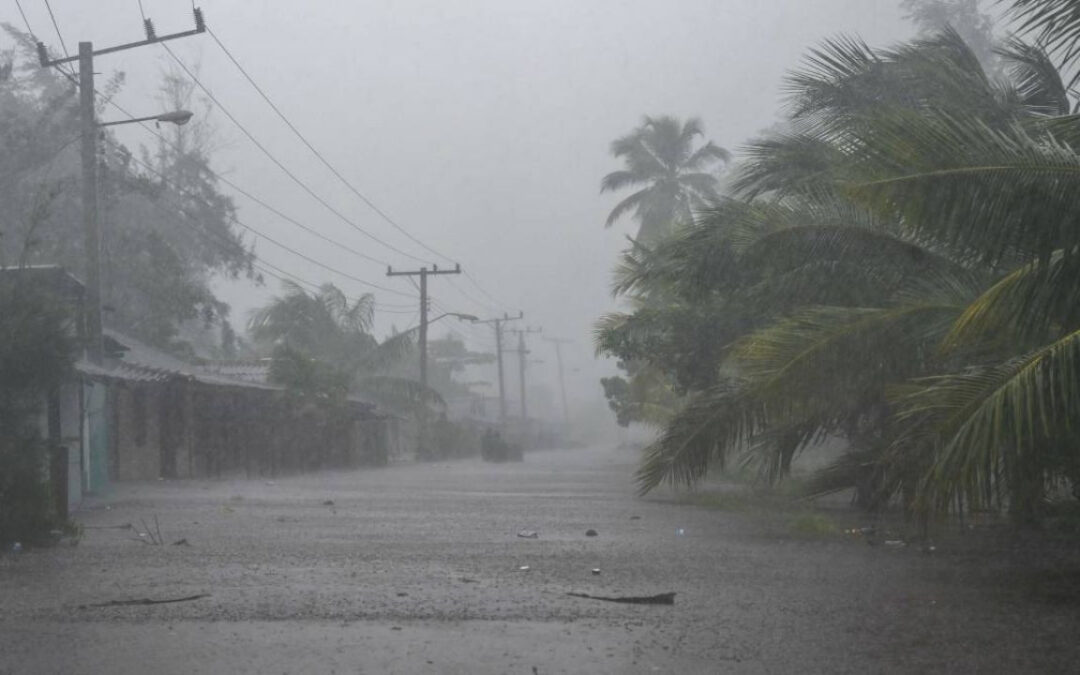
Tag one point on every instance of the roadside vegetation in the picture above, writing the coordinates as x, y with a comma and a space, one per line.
896, 266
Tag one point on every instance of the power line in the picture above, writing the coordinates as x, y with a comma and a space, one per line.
255, 199
318, 154
292, 176
57, 27
338, 174
25, 20
274, 241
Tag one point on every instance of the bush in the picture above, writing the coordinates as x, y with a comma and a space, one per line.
35, 358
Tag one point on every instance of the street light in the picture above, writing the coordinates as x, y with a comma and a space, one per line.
91, 225
177, 117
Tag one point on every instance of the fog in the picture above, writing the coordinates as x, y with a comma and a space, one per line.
481, 127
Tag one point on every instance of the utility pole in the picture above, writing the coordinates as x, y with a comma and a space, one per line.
498, 324
562, 379
423, 273
89, 132
522, 352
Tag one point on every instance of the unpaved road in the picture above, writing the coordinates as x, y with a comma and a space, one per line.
416, 569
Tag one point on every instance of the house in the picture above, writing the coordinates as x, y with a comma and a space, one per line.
144, 414
168, 418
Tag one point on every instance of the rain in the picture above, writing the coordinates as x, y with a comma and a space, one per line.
565, 337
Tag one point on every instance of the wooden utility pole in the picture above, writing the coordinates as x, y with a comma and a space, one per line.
562, 378
423, 273
89, 131
522, 353
498, 324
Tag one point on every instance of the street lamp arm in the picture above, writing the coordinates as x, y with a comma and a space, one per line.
177, 117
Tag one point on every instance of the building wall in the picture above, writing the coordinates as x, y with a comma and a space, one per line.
138, 438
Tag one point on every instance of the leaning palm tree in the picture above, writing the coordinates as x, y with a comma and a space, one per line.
941, 333
673, 176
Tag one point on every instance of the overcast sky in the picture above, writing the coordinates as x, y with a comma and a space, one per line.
481, 126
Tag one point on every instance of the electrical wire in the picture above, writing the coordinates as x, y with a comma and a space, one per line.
337, 173
292, 176
57, 27
25, 20
352, 188
256, 232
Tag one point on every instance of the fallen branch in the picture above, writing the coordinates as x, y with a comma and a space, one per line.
659, 599
144, 601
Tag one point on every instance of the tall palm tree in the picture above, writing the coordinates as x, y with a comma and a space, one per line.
673, 176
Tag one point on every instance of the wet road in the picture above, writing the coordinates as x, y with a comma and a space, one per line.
418, 569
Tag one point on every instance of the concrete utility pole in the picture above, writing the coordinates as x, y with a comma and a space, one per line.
562, 379
522, 352
423, 273
91, 226
498, 324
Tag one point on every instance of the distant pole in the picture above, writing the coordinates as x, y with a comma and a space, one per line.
522, 354
502, 379
91, 230
562, 378
521, 377
423, 273
498, 325
423, 325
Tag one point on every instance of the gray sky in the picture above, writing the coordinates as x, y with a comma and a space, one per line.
481, 126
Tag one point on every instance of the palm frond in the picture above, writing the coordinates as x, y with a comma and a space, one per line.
706, 431
1037, 79
1033, 302
994, 420
828, 360
617, 180
996, 191
1056, 24
634, 201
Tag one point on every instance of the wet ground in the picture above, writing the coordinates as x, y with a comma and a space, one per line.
419, 569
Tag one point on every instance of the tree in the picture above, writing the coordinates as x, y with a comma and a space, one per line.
909, 256
659, 157
965, 16
166, 226
323, 338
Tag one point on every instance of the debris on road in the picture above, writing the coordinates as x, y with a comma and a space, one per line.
16, 547
528, 534
144, 601
659, 599
181, 542
328, 502
467, 580
523, 568
635, 517
591, 533
596, 571
895, 543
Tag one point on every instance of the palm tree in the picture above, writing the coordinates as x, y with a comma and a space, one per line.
325, 333
324, 324
916, 277
673, 175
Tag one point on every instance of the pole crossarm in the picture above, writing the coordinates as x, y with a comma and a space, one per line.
151, 38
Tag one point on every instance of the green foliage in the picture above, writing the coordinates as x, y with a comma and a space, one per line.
35, 357
660, 155
166, 226
899, 270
